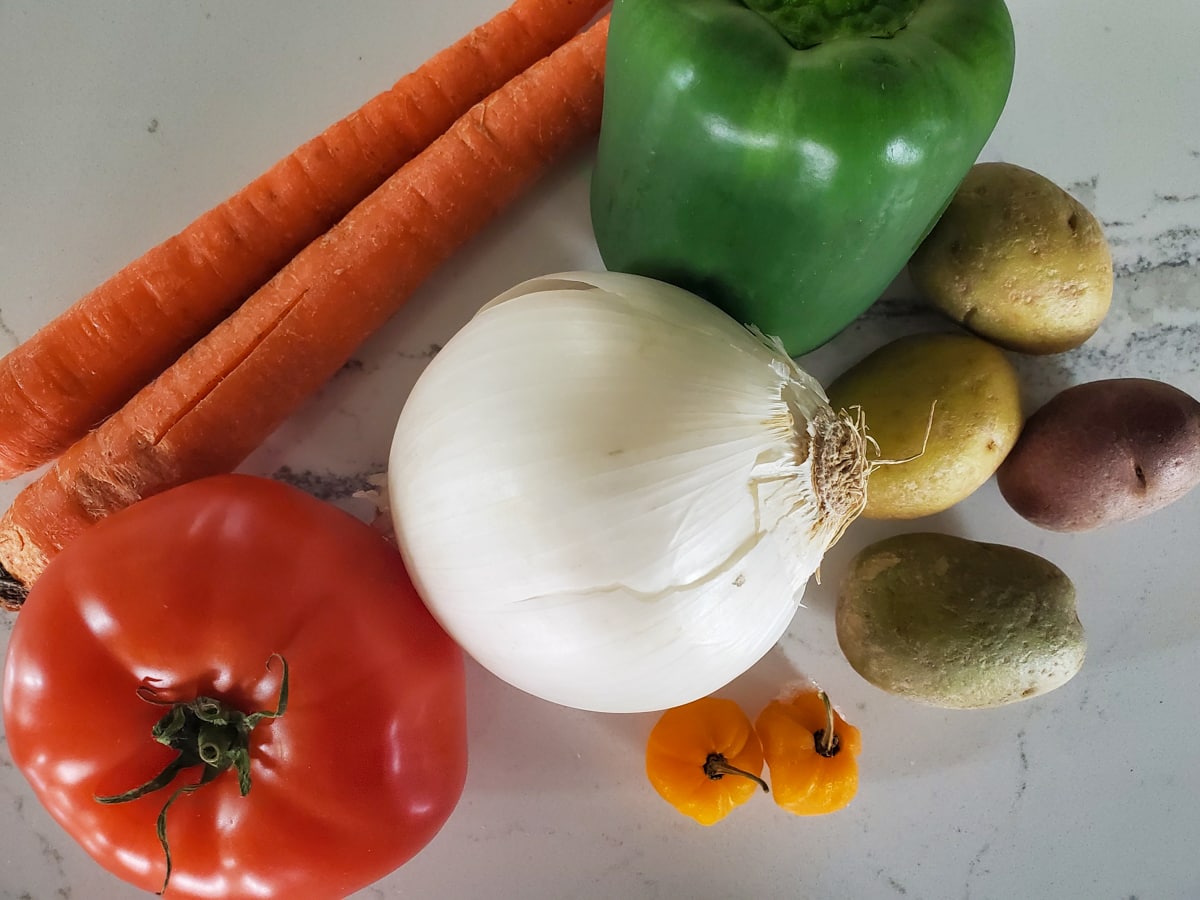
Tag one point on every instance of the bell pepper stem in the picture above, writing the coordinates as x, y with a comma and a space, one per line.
203, 732
807, 23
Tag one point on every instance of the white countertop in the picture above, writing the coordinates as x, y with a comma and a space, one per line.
122, 121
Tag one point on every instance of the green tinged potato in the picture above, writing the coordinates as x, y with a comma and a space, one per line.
1017, 260
956, 623
1104, 452
976, 419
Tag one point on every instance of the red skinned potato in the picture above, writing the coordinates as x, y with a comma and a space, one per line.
1104, 452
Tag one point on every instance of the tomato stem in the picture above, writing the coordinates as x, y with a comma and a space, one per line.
203, 732
826, 741
717, 767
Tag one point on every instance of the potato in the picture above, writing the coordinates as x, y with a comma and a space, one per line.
1104, 452
957, 623
976, 419
1017, 260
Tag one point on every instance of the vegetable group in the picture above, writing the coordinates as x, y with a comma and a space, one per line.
612, 495
126, 331
705, 757
214, 406
789, 181
217, 595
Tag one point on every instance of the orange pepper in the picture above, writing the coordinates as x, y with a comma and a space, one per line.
704, 758
811, 751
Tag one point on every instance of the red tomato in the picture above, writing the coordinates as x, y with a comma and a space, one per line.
190, 593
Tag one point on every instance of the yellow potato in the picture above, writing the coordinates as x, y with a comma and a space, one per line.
1017, 260
976, 419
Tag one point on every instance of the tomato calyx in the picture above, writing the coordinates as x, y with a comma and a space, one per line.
716, 767
825, 741
204, 732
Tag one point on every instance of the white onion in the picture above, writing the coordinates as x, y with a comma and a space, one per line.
612, 495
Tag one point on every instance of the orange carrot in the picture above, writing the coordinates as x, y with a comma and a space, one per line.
226, 394
87, 362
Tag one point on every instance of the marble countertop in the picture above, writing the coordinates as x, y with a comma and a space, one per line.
124, 121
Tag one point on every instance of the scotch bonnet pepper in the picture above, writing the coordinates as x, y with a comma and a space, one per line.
784, 158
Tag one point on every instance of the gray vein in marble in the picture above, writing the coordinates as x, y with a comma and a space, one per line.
905, 306
356, 365
898, 888
329, 486
5, 329
428, 353
976, 866
1146, 243
49, 852
1174, 247
1177, 198
1024, 769
1084, 190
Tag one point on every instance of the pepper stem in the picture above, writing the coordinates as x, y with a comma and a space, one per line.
717, 767
807, 23
826, 741
203, 732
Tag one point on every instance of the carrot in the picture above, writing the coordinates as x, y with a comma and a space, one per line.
225, 395
84, 364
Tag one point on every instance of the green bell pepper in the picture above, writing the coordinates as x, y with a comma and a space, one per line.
784, 162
